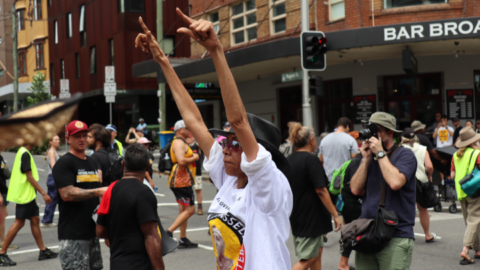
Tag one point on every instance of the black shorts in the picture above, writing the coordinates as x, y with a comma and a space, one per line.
184, 196
26, 211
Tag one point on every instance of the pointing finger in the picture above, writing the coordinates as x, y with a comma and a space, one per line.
145, 28
184, 17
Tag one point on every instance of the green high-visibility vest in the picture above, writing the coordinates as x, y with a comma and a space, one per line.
120, 147
461, 169
20, 190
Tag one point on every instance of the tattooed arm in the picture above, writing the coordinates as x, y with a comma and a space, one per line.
74, 194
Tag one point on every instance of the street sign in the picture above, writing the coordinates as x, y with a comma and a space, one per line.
64, 86
110, 99
64, 95
109, 89
292, 76
109, 74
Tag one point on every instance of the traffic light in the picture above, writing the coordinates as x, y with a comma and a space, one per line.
313, 50
316, 86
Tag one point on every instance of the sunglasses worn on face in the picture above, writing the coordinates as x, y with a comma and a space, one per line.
233, 145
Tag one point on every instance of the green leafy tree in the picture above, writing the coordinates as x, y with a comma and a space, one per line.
38, 89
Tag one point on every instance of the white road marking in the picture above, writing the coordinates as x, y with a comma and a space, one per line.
37, 250
423, 235
42, 170
205, 247
174, 204
159, 194
194, 230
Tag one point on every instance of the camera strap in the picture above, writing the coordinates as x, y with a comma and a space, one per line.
383, 190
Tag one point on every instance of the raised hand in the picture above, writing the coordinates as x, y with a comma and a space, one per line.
148, 43
201, 31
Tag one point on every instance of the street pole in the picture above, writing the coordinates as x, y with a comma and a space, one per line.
162, 110
307, 107
111, 113
15, 60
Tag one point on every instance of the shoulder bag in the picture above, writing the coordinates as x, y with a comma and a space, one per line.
371, 235
470, 184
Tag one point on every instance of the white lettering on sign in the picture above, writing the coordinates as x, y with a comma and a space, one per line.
403, 33
417, 30
451, 27
390, 33
436, 29
462, 30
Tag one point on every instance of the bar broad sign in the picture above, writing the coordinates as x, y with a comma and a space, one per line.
405, 33
363, 107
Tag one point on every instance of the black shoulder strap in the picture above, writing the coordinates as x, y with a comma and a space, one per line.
383, 191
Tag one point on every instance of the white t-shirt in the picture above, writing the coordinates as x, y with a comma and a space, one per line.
444, 138
250, 226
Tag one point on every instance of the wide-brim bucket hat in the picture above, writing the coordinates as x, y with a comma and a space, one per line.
386, 120
266, 134
467, 137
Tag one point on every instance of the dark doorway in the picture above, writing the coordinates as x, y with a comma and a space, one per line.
290, 107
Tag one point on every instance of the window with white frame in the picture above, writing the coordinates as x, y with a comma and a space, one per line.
403, 3
336, 9
38, 9
69, 25
55, 25
278, 16
215, 19
243, 24
83, 32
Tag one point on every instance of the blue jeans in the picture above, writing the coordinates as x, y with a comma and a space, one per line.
50, 208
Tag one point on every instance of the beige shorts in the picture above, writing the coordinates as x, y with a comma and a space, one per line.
198, 183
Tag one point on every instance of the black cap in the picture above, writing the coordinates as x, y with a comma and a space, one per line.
408, 133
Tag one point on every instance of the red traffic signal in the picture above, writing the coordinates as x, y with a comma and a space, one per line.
313, 50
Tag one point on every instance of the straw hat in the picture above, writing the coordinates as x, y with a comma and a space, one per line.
467, 137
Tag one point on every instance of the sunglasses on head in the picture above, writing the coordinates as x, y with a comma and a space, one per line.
232, 145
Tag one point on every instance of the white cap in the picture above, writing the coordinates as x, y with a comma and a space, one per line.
179, 124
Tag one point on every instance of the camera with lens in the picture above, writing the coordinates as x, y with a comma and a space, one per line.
369, 130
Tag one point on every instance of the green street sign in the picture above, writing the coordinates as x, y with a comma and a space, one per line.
292, 76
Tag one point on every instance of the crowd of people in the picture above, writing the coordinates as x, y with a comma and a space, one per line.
265, 189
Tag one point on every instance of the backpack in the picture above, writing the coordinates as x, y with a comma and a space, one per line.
115, 171
336, 185
165, 161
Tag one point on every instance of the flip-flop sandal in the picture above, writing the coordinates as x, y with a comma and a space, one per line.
431, 240
466, 262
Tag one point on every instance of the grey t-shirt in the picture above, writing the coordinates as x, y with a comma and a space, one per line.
337, 148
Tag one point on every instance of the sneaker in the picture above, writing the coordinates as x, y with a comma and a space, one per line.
48, 225
6, 261
185, 243
47, 254
200, 211
169, 233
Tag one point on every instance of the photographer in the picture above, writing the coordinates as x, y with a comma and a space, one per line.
398, 170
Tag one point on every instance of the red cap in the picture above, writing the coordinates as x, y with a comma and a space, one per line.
75, 126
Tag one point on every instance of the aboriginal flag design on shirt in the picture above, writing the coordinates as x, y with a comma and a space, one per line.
227, 236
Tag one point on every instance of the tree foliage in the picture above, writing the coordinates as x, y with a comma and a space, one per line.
38, 89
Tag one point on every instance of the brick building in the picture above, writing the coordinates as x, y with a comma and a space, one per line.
88, 35
366, 53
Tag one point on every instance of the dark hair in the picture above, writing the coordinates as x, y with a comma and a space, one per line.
444, 116
136, 158
101, 135
300, 135
344, 122
471, 122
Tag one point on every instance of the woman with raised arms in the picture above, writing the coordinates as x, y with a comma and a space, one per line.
252, 207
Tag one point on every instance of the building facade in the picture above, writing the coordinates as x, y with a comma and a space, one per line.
89, 35
32, 48
365, 59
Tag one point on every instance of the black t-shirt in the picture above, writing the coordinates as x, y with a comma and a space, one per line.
456, 134
151, 158
132, 204
75, 221
199, 162
103, 163
3, 181
425, 141
309, 216
25, 165
351, 201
